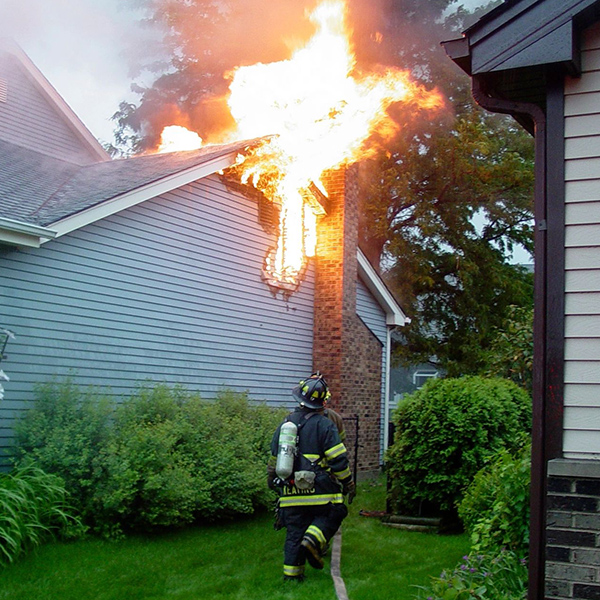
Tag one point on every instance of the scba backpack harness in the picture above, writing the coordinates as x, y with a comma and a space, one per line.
292, 468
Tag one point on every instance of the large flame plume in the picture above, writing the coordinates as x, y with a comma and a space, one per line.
315, 112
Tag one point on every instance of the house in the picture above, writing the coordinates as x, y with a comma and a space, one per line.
118, 272
539, 61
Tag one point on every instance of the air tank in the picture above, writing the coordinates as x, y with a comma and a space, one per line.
286, 452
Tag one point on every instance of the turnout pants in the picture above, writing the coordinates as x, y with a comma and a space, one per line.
319, 523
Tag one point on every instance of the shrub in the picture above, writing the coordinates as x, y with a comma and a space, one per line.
161, 458
33, 507
495, 508
498, 576
64, 433
445, 433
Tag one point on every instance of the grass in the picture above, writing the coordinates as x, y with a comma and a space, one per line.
240, 560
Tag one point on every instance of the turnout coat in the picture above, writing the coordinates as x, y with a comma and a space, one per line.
319, 450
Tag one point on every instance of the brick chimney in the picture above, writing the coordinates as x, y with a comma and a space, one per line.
344, 349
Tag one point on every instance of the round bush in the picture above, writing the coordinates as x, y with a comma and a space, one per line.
445, 433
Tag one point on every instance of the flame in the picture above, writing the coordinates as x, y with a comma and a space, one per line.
176, 137
318, 112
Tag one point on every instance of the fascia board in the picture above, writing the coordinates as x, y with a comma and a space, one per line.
17, 233
141, 194
394, 314
46, 88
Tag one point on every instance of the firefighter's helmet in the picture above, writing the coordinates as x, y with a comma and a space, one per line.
312, 392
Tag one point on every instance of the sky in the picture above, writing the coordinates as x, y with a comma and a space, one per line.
79, 46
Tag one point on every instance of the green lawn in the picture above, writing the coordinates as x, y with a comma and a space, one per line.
234, 560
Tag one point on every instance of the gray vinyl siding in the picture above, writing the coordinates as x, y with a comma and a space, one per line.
582, 256
374, 317
29, 120
168, 291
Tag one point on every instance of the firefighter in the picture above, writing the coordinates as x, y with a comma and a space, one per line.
314, 481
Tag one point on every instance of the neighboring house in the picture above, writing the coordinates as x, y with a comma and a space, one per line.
118, 272
539, 60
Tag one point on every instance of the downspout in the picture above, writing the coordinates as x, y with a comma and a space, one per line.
538, 458
386, 397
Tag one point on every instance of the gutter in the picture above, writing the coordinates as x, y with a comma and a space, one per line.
20, 233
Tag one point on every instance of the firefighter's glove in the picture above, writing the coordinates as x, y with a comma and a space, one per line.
349, 491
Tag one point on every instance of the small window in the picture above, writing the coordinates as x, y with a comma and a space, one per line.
3, 90
420, 378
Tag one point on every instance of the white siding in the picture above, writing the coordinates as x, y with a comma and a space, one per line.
582, 260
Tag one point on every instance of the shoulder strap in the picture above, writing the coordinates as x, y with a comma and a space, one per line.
302, 420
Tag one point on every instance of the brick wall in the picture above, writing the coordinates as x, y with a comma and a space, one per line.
344, 349
573, 530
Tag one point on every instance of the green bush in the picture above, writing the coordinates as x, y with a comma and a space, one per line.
445, 433
495, 508
33, 507
166, 457
498, 576
64, 433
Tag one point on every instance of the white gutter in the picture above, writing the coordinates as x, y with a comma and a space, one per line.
23, 234
394, 317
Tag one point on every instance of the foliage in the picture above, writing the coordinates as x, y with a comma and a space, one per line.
445, 433
495, 507
499, 576
443, 210
64, 433
174, 458
443, 206
163, 457
33, 507
511, 351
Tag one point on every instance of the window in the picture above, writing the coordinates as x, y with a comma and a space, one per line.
420, 377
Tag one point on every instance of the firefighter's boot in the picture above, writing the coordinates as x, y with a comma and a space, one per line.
312, 552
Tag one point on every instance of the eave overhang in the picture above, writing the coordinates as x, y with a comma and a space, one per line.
513, 47
17, 233
394, 314
136, 196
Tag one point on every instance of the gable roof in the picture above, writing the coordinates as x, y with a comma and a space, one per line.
64, 111
53, 197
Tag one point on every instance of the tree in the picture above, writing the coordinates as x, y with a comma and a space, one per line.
511, 351
444, 205
442, 209
444, 202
